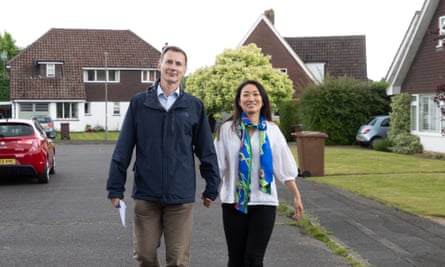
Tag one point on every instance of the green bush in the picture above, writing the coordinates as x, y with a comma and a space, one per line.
289, 118
382, 145
339, 106
399, 135
405, 143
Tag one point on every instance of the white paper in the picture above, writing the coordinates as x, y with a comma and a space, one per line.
122, 208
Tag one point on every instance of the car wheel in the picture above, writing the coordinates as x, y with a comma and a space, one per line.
52, 170
43, 178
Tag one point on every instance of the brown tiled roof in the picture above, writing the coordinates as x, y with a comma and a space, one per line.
264, 36
77, 49
343, 55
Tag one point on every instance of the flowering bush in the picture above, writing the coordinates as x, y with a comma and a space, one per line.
439, 99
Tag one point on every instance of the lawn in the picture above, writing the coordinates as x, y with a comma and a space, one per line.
90, 136
408, 182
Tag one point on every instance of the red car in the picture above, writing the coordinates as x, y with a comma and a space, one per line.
25, 150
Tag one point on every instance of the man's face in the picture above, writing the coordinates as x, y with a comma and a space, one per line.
172, 67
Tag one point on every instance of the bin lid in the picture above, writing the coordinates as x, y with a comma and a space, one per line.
311, 134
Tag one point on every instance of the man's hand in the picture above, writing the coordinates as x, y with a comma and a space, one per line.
115, 202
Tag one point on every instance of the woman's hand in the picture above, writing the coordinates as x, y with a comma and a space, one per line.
298, 206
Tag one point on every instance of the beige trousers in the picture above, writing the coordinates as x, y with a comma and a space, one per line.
151, 221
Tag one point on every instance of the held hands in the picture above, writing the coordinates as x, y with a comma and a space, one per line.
207, 202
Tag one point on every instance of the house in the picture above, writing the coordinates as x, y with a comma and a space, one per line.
417, 69
81, 76
309, 60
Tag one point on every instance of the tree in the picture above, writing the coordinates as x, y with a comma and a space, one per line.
8, 49
216, 85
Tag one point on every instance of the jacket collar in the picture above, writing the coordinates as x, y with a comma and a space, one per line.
151, 99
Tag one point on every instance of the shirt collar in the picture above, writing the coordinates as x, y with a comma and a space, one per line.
160, 92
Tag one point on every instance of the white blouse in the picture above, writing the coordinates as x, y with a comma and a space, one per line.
227, 149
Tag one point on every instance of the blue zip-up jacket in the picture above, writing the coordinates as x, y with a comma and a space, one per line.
165, 145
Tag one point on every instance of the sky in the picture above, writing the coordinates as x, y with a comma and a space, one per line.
205, 28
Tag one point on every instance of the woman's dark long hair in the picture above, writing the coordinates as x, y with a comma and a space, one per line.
265, 109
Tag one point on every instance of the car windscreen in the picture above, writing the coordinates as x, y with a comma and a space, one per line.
15, 129
372, 121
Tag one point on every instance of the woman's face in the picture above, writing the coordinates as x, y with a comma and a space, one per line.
250, 101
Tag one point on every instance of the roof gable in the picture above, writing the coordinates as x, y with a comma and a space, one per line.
263, 25
266, 37
410, 45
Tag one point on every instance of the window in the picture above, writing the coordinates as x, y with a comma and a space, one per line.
317, 69
87, 108
116, 108
47, 69
34, 107
282, 70
67, 110
27, 107
429, 114
41, 107
441, 33
149, 75
99, 75
50, 70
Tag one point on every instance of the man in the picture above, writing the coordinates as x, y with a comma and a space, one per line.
167, 127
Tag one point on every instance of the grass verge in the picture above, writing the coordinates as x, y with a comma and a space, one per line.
309, 226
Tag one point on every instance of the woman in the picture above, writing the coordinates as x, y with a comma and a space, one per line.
252, 154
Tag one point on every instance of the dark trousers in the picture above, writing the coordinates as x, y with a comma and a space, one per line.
247, 235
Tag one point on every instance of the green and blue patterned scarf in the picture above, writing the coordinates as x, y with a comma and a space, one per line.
242, 195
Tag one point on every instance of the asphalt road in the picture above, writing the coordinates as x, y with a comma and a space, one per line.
70, 222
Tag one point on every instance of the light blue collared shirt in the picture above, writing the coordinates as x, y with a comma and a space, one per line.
167, 101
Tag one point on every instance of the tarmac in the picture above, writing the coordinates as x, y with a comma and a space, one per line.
372, 233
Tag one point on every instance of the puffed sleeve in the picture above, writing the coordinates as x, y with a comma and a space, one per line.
220, 149
284, 164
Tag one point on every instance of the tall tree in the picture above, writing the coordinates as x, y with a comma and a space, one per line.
8, 49
216, 85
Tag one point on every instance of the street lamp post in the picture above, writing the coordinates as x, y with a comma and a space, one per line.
106, 96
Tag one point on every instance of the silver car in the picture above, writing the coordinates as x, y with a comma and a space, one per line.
373, 131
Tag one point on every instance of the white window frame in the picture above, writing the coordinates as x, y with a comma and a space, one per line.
147, 74
72, 108
95, 79
116, 108
87, 108
50, 67
429, 115
441, 32
317, 69
282, 70
50, 70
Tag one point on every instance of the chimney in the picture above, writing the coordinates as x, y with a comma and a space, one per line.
270, 15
